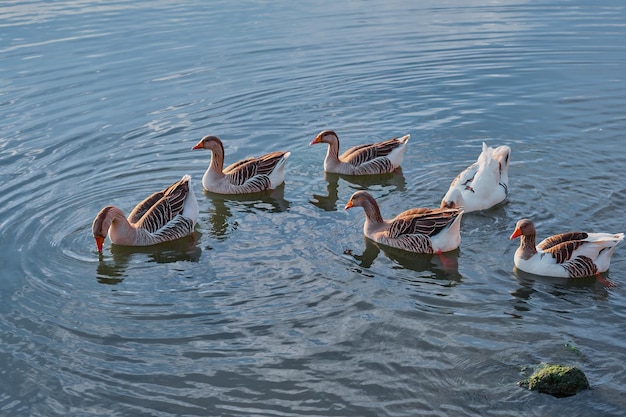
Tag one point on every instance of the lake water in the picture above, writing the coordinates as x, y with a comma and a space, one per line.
278, 306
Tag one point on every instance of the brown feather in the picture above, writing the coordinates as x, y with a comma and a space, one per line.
358, 155
551, 241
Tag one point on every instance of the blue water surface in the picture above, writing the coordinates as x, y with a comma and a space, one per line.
278, 306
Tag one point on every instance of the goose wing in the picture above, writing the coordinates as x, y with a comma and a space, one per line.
552, 241
423, 221
567, 246
465, 178
142, 208
242, 171
564, 251
156, 211
361, 154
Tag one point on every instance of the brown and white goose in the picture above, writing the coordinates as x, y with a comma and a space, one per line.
566, 255
250, 175
419, 230
373, 158
166, 215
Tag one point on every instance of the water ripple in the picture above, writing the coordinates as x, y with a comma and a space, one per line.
277, 305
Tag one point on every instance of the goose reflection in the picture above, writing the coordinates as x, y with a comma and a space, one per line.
220, 214
557, 287
444, 266
329, 202
113, 270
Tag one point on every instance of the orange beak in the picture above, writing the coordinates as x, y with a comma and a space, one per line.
316, 140
516, 233
348, 205
99, 242
198, 146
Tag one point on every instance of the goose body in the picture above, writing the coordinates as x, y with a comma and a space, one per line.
566, 255
166, 215
483, 184
373, 158
419, 230
250, 175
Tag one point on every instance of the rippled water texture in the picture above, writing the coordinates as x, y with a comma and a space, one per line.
278, 306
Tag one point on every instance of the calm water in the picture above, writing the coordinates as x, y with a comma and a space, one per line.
277, 306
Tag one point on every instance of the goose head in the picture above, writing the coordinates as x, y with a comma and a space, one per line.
524, 227
101, 225
454, 199
365, 200
210, 142
326, 136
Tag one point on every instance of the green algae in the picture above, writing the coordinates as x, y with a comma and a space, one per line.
556, 380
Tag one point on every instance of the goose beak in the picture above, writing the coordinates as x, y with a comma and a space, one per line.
516, 233
316, 140
349, 205
99, 242
198, 146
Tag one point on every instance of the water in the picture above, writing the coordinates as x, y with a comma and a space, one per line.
277, 306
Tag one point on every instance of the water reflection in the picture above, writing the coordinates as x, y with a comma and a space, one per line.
271, 201
444, 266
531, 284
113, 270
522, 295
329, 202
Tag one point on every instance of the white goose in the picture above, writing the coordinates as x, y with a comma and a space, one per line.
373, 158
419, 230
165, 215
566, 255
483, 184
250, 175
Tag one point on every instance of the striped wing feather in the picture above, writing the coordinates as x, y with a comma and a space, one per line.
179, 227
423, 221
268, 162
563, 245
551, 241
581, 266
163, 209
361, 154
562, 252
375, 166
142, 208
414, 243
242, 171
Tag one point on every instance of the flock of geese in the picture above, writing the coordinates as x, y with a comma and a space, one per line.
172, 213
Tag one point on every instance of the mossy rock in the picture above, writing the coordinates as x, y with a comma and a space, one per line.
557, 380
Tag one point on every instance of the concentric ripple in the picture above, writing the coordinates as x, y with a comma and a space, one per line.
277, 305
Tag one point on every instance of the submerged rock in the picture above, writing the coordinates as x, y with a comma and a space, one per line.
557, 380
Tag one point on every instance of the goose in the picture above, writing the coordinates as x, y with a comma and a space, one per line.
250, 175
483, 184
166, 215
373, 158
566, 255
419, 230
